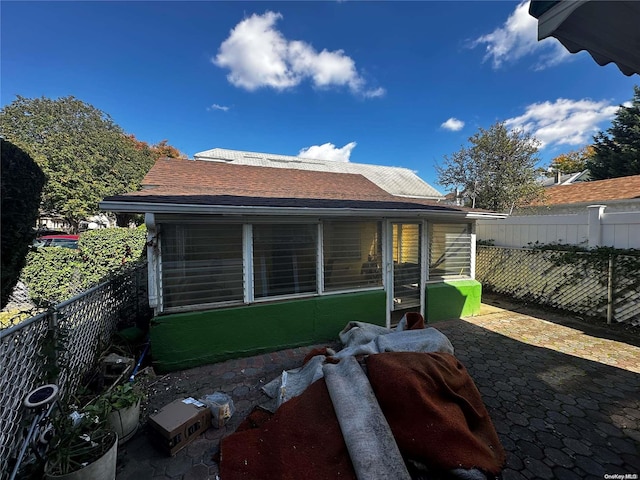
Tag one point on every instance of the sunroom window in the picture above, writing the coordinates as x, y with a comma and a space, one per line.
201, 264
352, 255
284, 259
449, 250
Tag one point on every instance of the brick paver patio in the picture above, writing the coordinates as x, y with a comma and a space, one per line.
565, 401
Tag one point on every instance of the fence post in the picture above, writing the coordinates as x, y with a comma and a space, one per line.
52, 324
595, 228
610, 290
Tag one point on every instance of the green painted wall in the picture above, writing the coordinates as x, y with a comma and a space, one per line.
452, 299
190, 339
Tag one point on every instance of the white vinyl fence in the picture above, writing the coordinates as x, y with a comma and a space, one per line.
593, 228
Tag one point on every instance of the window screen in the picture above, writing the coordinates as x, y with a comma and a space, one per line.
450, 250
284, 259
201, 264
352, 254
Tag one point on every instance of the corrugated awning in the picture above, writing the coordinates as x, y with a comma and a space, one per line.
608, 29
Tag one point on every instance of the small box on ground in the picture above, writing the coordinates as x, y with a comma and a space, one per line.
177, 424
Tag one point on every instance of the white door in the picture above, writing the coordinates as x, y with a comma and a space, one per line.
406, 254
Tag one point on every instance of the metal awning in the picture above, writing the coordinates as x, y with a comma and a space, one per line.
608, 29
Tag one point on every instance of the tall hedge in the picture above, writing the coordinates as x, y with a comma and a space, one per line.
55, 274
21, 186
105, 251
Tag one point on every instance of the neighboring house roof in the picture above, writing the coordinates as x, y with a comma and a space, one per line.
565, 179
174, 185
614, 189
394, 180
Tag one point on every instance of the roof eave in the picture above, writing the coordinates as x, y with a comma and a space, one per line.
237, 210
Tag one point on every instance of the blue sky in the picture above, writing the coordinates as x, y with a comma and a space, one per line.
389, 83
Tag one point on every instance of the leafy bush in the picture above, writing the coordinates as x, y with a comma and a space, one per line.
105, 251
21, 186
55, 274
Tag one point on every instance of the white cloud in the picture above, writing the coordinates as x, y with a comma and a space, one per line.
258, 55
215, 106
328, 151
563, 122
453, 124
518, 38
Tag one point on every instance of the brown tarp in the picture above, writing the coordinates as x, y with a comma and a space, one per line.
301, 441
431, 403
435, 411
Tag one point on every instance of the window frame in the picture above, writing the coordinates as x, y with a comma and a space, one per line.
259, 299
162, 303
470, 267
248, 272
379, 229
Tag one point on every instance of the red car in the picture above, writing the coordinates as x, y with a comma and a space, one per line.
66, 241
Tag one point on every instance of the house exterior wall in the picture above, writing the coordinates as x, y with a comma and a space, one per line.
186, 340
452, 299
233, 325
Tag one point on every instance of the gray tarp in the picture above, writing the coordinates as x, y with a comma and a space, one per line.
358, 338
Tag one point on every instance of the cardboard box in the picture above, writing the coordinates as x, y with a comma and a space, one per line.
177, 424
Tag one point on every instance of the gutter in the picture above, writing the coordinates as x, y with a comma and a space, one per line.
160, 208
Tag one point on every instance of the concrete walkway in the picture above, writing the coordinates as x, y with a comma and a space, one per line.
564, 398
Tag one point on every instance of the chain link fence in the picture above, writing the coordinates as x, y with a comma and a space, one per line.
65, 342
576, 283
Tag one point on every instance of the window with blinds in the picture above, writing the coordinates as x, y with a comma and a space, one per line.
201, 264
284, 259
449, 250
352, 255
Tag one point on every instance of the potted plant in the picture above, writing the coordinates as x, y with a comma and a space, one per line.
83, 447
121, 406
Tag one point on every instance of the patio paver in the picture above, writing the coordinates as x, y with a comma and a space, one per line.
565, 402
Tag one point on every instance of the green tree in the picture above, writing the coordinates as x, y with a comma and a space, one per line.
617, 153
497, 171
21, 185
83, 153
572, 162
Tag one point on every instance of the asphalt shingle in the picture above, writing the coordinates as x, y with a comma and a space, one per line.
623, 188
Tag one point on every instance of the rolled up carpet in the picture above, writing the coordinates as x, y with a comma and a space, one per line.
372, 448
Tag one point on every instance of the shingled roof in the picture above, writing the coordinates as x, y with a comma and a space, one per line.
397, 181
196, 186
623, 188
194, 177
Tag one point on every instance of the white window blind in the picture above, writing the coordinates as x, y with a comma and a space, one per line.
284, 259
352, 255
201, 264
450, 250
